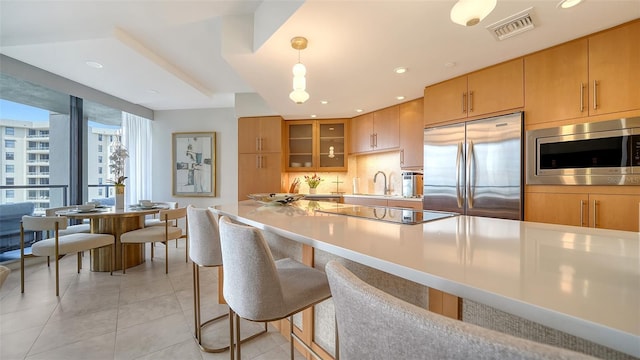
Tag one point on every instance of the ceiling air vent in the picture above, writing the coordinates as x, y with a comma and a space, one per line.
513, 25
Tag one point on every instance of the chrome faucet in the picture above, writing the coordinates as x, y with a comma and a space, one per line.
386, 189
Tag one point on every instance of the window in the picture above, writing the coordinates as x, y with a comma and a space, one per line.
99, 148
9, 156
9, 131
10, 144
100, 192
32, 194
44, 145
32, 132
100, 170
100, 181
32, 157
44, 169
99, 137
9, 168
44, 181
33, 144
32, 181
10, 194
9, 181
44, 157
32, 169
44, 132
99, 159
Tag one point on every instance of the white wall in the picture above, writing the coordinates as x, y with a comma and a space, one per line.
225, 124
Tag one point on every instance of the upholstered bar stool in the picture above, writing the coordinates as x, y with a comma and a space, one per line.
204, 251
60, 244
411, 332
257, 288
154, 234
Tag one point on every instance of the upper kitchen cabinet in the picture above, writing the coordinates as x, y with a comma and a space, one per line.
316, 145
614, 74
259, 155
590, 76
260, 134
377, 131
411, 134
555, 83
490, 90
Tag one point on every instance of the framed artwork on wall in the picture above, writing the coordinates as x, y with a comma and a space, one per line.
194, 164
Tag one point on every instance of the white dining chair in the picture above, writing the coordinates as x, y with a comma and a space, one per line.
60, 244
153, 234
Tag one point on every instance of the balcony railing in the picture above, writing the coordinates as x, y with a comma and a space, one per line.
37, 148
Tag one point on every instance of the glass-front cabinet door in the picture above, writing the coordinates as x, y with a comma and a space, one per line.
316, 145
331, 143
300, 145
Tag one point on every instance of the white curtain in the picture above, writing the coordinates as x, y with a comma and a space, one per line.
136, 137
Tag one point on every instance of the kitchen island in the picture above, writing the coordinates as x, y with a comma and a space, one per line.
581, 281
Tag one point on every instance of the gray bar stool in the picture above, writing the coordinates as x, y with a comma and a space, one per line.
375, 325
257, 288
204, 251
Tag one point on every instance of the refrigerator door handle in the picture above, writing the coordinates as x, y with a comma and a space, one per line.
458, 159
469, 175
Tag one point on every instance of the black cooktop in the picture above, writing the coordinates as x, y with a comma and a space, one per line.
389, 214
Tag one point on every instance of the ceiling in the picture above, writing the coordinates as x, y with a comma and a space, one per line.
183, 54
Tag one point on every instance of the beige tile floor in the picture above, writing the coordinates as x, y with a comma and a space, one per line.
144, 314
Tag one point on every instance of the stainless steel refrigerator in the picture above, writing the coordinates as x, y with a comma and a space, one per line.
475, 168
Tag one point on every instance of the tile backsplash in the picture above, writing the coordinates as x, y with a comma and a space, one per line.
362, 167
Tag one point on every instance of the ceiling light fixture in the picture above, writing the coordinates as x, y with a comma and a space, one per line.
299, 94
324, 102
400, 70
471, 12
359, 110
565, 4
400, 97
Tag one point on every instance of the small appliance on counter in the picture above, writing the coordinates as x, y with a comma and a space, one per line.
411, 184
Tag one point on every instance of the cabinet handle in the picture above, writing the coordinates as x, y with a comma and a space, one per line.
581, 212
464, 102
595, 213
581, 96
375, 140
458, 192
470, 101
257, 144
371, 141
595, 94
257, 161
402, 157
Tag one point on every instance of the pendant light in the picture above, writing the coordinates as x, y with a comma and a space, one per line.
471, 12
299, 94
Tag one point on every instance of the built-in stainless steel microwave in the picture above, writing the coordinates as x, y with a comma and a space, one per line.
598, 153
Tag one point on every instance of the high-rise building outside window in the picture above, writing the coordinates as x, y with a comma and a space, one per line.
9, 156
9, 131
9, 181
9, 168
10, 144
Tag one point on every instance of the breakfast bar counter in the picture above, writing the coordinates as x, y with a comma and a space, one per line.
582, 281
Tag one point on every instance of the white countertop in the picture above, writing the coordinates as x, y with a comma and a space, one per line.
583, 281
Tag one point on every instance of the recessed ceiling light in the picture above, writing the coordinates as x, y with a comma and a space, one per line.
565, 4
449, 64
313, 115
359, 110
400, 97
324, 102
400, 70
94, 64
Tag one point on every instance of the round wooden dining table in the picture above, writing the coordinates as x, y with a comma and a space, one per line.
116, 222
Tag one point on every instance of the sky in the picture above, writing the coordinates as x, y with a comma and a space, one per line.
14, 111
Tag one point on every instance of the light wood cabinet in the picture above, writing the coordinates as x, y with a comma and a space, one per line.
494, 89
411, 134
607, 211
586, 77
377, 131
316, 145
259, 134
614, 77
259, 155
